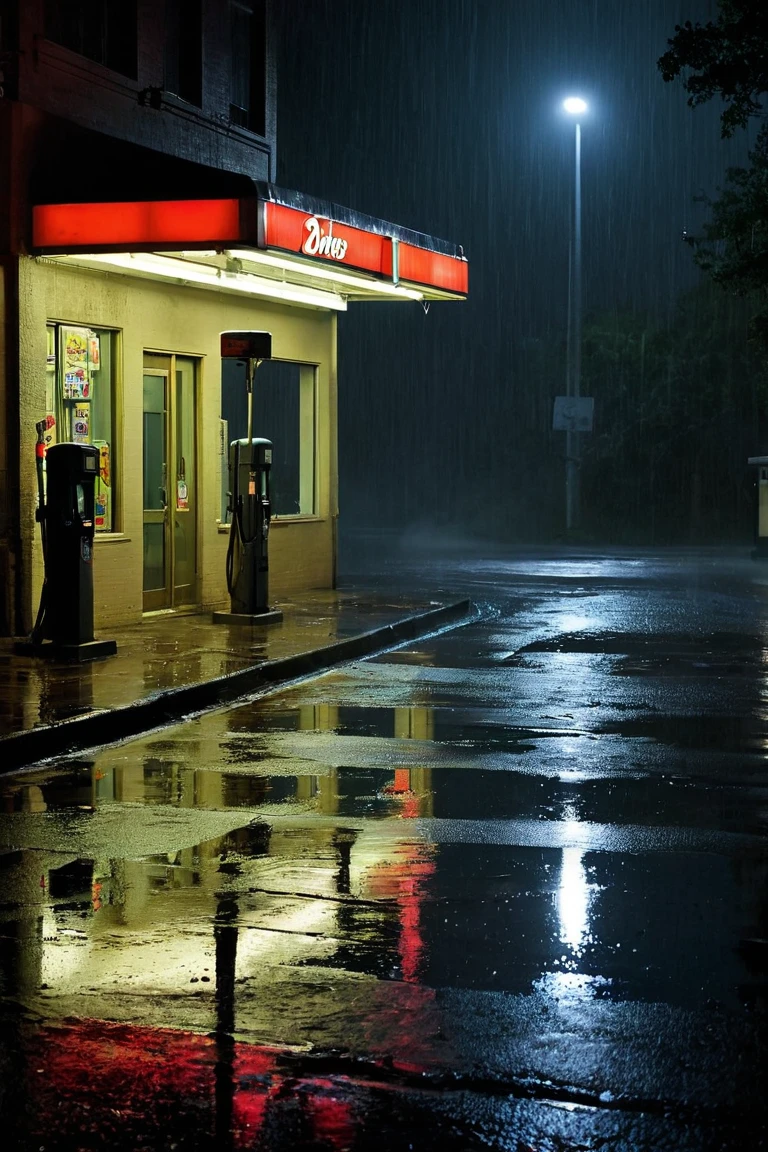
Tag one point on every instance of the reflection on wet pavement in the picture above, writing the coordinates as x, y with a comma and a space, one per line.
169, 651
440, 900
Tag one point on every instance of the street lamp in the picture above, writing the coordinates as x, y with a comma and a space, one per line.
574, 106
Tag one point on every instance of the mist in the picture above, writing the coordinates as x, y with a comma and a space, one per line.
445, 116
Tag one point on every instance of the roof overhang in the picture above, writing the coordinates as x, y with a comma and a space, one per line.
275, 244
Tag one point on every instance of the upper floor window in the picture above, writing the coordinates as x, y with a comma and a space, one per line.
248, 78
101, 30
184, 50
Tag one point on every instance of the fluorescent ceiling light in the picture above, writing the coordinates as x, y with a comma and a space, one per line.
359, 281
205, 276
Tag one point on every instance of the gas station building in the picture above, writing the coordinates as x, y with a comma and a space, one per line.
134, 229
124, 303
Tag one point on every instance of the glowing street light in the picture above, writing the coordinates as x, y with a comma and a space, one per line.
575, 106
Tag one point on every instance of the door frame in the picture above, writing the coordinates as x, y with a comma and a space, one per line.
163, 599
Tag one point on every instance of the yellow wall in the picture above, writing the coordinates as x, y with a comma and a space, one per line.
167, 318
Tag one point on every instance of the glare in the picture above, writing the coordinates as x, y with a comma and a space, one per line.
573, 900
575, 105
574, 622
571, 987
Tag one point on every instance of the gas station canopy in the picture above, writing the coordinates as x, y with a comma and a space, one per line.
276, 244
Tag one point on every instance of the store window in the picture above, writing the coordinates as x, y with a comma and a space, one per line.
248, 75
283, 412
184, 50
101, 30
80, 401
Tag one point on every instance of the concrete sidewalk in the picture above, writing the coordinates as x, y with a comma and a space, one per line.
171, 665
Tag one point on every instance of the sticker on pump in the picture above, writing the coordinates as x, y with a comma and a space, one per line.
267, 455
252, 484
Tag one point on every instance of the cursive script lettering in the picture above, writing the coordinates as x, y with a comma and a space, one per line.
318, 242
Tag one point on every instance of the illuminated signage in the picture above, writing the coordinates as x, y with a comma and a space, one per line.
321, 238
320, 242
135, 224
179, 225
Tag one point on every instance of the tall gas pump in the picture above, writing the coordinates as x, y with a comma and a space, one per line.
66, 502
250, 462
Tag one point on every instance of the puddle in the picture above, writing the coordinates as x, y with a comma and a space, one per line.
336, 898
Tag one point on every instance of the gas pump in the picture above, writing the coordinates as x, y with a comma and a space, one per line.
250, 461
66, 517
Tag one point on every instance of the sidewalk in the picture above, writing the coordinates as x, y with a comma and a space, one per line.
171, 665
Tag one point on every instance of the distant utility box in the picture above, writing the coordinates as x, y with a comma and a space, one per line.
573, 413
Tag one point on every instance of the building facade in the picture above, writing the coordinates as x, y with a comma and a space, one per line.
139, 220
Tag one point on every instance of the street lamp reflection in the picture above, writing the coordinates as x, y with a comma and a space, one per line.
573, 901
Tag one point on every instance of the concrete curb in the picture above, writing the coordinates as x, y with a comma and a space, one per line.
112, 725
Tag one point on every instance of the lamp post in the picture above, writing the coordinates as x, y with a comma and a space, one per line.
576, 107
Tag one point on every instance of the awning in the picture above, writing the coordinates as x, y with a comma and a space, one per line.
275, 244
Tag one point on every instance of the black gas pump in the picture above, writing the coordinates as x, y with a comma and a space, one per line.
66, 516
250, 461
248, 572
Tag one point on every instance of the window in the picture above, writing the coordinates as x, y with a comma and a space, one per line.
101, 30
248, 76
80, 401
184, 50
283, 412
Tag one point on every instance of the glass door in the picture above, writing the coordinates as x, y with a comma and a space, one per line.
157, 591
170, 481
184, 494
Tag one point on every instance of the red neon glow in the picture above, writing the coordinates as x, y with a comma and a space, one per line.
402, 780
161, 223
174, 224
406, 880
420, 266
92, 1074
332, 1118
302, 233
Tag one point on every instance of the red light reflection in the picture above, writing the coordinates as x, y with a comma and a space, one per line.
98, 1075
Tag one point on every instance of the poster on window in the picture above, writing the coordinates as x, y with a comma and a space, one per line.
81, 423
103, 489
75, 371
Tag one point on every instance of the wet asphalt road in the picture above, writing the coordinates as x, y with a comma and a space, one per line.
504, 889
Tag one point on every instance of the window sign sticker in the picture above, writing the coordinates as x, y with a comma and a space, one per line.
81, 424
77, 384
102, 492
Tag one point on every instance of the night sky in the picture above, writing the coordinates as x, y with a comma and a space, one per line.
444, 116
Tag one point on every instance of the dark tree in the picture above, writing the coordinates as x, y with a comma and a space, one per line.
678, 406
729, 58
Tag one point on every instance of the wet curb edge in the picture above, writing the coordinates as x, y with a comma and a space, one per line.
113, 725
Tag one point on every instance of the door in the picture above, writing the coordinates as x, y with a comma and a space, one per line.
170, 481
